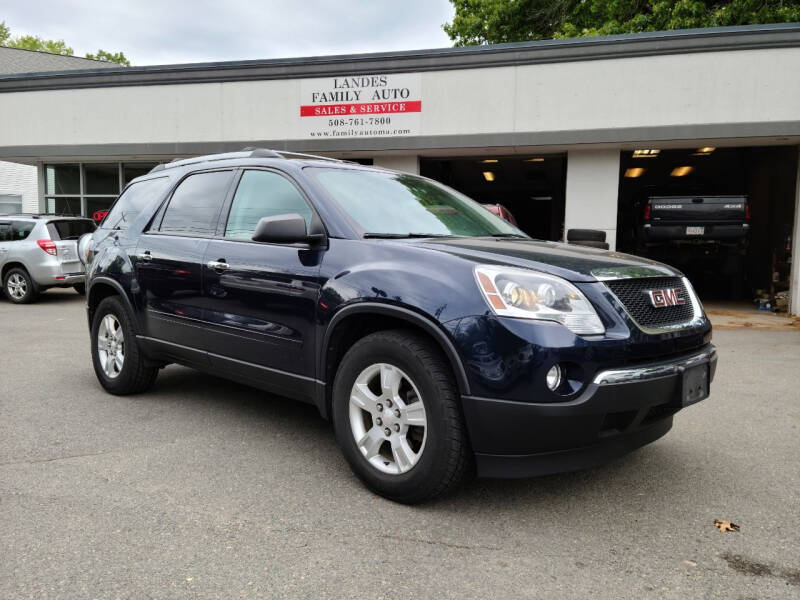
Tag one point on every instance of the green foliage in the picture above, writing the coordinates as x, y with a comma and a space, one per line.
114, 57
497, 21
33, 42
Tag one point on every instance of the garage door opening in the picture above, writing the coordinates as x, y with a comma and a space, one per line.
755, 186
530, 187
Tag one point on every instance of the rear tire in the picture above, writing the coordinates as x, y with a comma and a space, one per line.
19, 287
415, 447
80, 288
585, 235
118, 362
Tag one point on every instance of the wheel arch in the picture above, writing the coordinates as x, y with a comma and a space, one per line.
101, 288
13, 264
359, 320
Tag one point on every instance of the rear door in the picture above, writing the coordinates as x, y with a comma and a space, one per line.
65, 233
168, 262
5, 238
261, 298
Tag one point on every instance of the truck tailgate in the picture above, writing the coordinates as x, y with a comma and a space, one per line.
698, 209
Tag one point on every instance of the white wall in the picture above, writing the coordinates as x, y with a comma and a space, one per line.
679, 90
20, 180
592, 191
407, 164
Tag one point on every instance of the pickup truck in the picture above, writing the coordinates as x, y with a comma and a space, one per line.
707, 218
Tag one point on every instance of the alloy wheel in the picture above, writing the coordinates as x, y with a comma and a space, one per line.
111, 346
388, 419
17, 286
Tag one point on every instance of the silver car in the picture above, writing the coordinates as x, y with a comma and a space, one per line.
38, 252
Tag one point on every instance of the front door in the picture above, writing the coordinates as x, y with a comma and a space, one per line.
169, 260
260, 299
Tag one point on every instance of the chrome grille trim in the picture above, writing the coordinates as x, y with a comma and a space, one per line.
698, 315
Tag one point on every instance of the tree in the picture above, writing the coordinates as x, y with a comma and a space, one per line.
33, 42
116, 57
497, 21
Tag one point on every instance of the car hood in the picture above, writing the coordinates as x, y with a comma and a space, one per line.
569, 261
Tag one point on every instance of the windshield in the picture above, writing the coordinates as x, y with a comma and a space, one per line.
399, 205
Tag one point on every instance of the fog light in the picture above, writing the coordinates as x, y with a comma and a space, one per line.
554, 377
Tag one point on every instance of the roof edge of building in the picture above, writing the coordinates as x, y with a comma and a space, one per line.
717, 39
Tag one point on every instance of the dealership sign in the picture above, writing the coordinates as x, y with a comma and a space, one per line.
361, 106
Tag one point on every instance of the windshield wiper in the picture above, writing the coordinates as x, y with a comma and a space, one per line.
399, 236
508, 235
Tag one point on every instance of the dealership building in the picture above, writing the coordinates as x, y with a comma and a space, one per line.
565, 133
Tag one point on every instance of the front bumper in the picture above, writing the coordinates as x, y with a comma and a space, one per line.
620, 410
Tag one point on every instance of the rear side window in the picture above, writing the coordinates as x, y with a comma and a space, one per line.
15, 231
263, 194
70, 229
195, 205
133, 200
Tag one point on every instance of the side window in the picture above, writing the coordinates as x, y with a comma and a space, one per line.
133, 200
21, 229
195, 204
5, 231
263, 194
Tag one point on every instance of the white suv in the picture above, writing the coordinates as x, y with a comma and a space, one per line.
39, 252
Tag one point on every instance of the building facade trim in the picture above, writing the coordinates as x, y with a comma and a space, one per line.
686, 41
716, 131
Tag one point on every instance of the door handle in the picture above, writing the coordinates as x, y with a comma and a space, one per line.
145, 256
218, 265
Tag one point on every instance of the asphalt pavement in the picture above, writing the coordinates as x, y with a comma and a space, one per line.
203, 488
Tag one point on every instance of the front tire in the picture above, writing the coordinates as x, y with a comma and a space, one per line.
118, 362
397, 418
19, 286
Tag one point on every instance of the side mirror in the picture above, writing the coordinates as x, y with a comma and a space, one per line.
283, 229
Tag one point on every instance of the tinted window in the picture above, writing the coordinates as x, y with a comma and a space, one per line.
263, 194
195, 205
14, 231
70, 230
133, 200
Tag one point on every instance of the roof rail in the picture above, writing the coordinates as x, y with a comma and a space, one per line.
249, 152
41, 215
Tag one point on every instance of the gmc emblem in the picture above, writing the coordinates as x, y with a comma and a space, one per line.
666, 297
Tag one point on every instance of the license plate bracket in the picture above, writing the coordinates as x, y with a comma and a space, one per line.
695, 384
695, 230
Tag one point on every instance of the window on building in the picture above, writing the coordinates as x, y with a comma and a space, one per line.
10, 203
195, 205
87, 188
64, 205
263, 194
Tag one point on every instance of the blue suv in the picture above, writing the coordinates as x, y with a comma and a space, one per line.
439, 339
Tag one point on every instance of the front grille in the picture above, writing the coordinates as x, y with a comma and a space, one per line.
632, 294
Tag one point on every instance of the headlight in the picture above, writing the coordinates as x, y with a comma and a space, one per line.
525, 294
